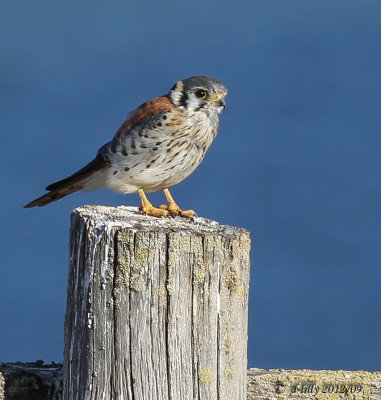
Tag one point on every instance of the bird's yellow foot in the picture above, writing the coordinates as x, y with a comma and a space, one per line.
174, 209
154, 211
148, 209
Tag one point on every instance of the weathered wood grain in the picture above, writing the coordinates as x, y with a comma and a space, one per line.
157, 308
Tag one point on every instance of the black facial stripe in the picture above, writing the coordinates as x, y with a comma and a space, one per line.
183, 99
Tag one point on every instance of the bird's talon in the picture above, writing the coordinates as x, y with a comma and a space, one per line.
174, 210
190, 214
153, 211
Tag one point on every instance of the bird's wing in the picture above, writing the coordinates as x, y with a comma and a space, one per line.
152, 107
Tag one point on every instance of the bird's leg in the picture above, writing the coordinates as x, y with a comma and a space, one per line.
174, 209
148, 208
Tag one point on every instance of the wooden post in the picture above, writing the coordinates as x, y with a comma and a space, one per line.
157, 308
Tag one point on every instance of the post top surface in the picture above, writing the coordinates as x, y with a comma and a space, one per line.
132, 218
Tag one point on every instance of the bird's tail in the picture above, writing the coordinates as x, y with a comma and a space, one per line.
71, 184
54, 194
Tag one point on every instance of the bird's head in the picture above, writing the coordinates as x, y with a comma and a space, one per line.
199, 93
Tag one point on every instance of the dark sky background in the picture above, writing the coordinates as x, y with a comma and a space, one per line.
296, 161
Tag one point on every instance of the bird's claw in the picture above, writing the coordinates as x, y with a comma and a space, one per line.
175, 210
153, 211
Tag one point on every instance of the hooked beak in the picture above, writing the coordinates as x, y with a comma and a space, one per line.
221, 103
219, 100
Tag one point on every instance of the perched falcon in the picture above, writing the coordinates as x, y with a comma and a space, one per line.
161, 143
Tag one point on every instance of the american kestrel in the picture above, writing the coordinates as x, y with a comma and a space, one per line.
160, 144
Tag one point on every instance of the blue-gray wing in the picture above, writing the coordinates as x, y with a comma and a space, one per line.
138, 131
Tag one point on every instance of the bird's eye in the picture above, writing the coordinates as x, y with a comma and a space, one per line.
201, 94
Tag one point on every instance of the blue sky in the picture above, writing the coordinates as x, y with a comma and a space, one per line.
296, 161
